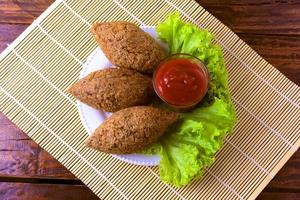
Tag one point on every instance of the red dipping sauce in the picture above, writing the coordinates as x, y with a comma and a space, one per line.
181, 81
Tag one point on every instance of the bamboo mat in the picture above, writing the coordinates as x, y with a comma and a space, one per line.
38, 67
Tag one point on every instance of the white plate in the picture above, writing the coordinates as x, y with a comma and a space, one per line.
92, 118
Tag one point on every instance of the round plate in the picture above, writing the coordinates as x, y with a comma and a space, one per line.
92, 118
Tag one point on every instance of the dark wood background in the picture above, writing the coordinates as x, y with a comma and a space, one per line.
27, 172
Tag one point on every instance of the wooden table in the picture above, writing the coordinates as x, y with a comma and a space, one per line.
271, 27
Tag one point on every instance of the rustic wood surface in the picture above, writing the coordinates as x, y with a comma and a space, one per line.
271, 27
20, 191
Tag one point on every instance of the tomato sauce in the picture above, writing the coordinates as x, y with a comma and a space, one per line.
181, 81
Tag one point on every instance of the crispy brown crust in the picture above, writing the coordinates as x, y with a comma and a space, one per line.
113, 89
128, 46
131, 129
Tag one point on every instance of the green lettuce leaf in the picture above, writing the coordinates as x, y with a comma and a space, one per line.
190, 145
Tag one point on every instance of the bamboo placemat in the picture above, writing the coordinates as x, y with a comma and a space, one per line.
38, 67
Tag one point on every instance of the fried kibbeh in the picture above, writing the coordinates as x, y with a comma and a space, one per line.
131, 129
113, 89
128, 46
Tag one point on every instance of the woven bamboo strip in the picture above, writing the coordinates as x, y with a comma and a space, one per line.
49, 57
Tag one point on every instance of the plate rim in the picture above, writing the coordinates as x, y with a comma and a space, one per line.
89, 129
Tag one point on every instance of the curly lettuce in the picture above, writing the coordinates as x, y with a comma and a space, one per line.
190, 145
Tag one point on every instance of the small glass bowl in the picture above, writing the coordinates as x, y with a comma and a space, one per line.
200, 64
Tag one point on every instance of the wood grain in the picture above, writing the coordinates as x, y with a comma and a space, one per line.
21, 11
9, 32
257, 17
279, 196
283, 52
29, 191
21, 157
271, 27
289, 176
